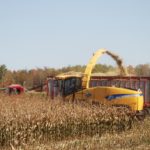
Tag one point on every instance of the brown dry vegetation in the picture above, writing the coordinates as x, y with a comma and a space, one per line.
138, 138
36, 122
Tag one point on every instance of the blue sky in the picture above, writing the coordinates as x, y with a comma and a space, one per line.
46, 33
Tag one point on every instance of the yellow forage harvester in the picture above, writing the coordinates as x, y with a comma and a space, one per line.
75, 86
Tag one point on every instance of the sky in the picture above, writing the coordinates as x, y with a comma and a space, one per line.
58, 33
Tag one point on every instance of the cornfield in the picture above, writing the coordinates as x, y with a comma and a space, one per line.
30, 119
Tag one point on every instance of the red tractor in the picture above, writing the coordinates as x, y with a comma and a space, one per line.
15, 89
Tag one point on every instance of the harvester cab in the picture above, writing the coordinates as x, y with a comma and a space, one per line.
64, 85
72, 86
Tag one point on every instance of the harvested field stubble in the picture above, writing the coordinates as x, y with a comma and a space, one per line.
31, 119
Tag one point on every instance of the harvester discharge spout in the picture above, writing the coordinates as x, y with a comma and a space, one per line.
92, 63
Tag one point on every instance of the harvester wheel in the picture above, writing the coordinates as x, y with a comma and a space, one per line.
140, 116
147, 111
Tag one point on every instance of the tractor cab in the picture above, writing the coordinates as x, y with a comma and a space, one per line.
64, 85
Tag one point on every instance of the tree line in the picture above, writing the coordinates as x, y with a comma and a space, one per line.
32, 77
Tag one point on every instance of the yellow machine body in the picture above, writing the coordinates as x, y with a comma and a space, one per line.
111, 96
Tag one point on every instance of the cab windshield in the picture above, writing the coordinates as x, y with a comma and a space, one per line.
72, 85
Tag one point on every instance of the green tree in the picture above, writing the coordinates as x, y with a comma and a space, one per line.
3, 71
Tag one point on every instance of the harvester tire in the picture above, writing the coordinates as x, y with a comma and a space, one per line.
140, 116
147, 111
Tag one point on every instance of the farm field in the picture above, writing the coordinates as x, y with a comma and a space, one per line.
35, 122
74, 75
